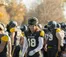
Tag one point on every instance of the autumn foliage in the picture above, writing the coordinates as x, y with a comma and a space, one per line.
4, 16
46, 11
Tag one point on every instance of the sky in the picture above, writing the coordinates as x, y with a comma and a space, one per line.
31, 3
64, 10
28, 3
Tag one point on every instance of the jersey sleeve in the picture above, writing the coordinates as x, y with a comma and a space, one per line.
5, 38
60, 36
40, 45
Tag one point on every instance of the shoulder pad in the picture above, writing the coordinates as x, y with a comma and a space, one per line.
4, 38
42, 33
12, 30
22, 34
58, 30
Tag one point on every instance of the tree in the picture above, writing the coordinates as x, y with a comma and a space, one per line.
4, 17
16, 11
48, 10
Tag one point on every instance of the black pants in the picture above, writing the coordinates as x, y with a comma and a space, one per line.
60, 53
45, 54
52, 52
3, 55
62, 49
16, 51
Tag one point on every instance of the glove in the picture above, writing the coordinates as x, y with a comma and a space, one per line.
31, 53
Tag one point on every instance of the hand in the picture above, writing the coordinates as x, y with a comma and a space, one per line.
9, 56
31, 53
45, 48
22, 56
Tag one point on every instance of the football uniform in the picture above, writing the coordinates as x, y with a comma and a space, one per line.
3, 37
35, 43
64, 47
52, 44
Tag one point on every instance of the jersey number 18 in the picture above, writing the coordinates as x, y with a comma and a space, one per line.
32, 42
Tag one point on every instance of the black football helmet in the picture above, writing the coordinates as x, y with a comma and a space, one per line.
52, 25
24, 28
63, 25
33, 21
12, 24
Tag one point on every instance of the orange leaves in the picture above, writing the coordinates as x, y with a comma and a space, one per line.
17, 12
4, 15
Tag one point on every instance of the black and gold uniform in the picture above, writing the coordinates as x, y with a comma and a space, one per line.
34, 38
64, 47
33, 41
45, 41
3, 38
52, 43
52, 40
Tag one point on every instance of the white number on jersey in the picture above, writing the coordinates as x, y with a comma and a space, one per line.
50, 37
32, 42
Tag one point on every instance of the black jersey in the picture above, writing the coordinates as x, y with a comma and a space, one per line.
52, 39
64, 36
32, 39
3, 53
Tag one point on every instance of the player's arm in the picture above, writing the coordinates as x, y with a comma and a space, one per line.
4, 40
25, 46
12, 38
41, 41
45, 43
59, 36
9, 48
40, 45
